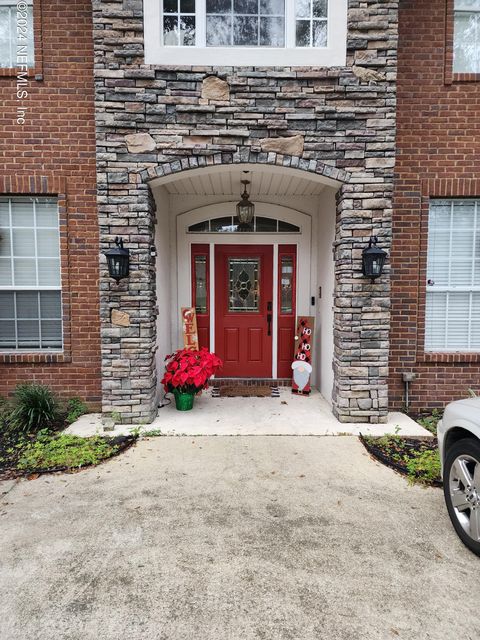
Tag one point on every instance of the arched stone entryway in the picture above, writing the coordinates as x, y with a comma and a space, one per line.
245, 156
339, 122
361, 309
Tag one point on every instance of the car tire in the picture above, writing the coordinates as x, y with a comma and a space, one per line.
462, 468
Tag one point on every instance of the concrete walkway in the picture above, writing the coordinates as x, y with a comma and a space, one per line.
288, 415
233, 539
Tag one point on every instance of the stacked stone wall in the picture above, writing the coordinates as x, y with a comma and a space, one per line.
337, 122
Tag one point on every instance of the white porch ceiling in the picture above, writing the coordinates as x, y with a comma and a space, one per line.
229, 184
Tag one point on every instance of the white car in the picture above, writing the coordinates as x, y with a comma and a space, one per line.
459, 445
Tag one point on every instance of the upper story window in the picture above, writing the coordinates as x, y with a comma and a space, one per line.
16, 33
311, 23
466, 50
30, 287
245, 23
246, 32
453, 276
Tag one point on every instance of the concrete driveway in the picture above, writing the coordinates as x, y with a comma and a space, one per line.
233, 538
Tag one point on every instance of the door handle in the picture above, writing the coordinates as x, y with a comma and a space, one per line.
269, 324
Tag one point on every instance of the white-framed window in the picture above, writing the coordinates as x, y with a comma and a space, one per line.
245, 32
30, 283
244, 23
16, 33
453, 276
229, 224
466, 45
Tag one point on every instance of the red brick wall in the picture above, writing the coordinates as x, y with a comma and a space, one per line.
54, 153
438, 155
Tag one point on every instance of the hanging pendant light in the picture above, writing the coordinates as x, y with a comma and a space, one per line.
245, 208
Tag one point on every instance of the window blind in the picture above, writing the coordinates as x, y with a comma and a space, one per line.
453, 276
30, 287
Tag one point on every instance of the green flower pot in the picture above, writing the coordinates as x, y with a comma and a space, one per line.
184, 401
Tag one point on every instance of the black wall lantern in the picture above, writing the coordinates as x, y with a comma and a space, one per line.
118, 261
373, 260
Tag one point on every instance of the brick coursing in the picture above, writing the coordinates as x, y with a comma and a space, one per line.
54, 154
347, 119
438, 155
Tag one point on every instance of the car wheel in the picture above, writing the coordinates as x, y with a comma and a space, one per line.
461, 485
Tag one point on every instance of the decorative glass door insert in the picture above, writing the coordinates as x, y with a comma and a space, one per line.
200, 279
244, 284
287, 275
286, 283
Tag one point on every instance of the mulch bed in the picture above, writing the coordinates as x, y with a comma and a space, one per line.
10, 473
409, 445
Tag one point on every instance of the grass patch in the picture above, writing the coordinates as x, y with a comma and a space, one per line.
153, 433
64, 451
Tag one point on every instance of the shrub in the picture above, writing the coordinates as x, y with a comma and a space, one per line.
75, 408
35, 407
430, 422
4, 413
64, 450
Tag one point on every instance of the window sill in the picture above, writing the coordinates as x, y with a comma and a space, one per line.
34, 73
245, 56
32, 357
466, 77
450, 357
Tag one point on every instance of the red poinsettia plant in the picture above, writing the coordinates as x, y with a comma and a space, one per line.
188, 371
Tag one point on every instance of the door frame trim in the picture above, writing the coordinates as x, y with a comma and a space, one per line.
305, 275
212, 296
275, 266
275, 312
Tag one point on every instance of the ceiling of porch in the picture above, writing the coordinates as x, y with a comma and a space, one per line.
228, 183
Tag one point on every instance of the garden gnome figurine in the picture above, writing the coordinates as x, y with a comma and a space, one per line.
301, 374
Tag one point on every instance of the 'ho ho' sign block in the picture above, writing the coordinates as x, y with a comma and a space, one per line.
302, 364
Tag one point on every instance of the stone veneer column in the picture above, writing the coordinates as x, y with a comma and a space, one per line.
126, 209
152, 120
362, 308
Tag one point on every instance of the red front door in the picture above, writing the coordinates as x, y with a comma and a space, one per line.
244, 309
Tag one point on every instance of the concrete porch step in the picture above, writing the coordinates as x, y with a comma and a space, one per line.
288, 415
